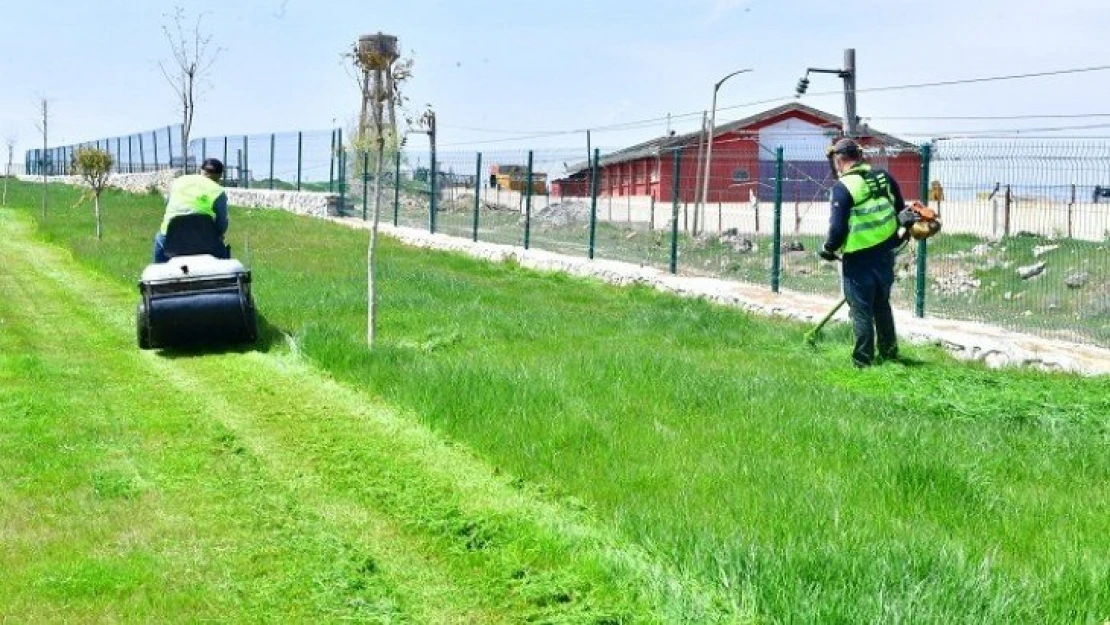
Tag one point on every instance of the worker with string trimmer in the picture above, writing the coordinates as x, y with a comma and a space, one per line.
867, 209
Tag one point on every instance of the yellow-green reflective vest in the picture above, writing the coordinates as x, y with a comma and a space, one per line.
873, 219
189, 194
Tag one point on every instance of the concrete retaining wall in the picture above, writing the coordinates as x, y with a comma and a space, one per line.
299, 202
983, 218
132, 183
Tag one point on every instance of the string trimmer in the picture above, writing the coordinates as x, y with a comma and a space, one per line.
919, 222
812, 335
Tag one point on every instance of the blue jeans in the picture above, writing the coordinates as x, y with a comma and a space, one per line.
867, 287
159, 253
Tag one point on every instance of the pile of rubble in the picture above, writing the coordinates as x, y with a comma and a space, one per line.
561, 214
958, 282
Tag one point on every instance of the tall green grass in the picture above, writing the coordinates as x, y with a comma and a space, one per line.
943, 492
1044, 305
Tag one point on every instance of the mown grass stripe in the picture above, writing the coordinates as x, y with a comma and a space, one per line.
485, 544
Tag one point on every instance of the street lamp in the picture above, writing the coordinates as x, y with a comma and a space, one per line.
712, 127
848, 74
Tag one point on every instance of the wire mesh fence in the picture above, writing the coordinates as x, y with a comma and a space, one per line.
1024, 244
140, 152
288, 161
1027, 229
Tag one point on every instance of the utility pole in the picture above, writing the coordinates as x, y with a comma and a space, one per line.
848, 75
712, 130
698, 189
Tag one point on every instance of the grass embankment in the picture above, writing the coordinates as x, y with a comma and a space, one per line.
968, 277
794, 485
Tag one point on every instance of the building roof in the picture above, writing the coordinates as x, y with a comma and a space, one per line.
655, 147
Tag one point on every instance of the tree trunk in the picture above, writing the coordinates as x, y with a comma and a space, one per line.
372, 304
42, 163
96, 207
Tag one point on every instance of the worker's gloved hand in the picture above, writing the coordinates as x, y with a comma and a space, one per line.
827, 255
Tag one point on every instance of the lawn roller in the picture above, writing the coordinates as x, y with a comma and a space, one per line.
198, 297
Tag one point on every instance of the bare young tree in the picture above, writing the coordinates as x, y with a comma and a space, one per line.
42, 125
94, 166
192, 59
380, 74
9, 141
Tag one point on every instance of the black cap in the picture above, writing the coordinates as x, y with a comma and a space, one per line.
212, 166
849, 148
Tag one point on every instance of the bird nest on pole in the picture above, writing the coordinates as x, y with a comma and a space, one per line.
377, 52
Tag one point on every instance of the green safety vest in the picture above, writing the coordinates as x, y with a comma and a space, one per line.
873, 219
190, 194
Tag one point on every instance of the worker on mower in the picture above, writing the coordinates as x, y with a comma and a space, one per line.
196, 193
863, 235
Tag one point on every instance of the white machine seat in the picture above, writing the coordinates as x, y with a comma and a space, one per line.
192, 267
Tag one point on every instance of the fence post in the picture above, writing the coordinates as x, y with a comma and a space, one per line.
593, 201
273, 144
154, 139
204, 150
331, 168
225, 159
776, 226
169, 146
130, 156
528, 203
300, 153
342, 170
1071, 208
477, 195
922, 245
677, 154
396, 186
432, 184
119, 155
142, 155
1006, 212
246, 171
366, 183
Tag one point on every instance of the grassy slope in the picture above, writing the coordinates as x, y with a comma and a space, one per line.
799, 487
1044, 305
245, 486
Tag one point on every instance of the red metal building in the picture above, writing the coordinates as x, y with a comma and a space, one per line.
743, 160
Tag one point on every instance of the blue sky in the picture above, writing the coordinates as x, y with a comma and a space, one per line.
498, 70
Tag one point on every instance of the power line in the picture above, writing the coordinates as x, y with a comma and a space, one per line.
641, 123
968, 81
1005, 131
988, 117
